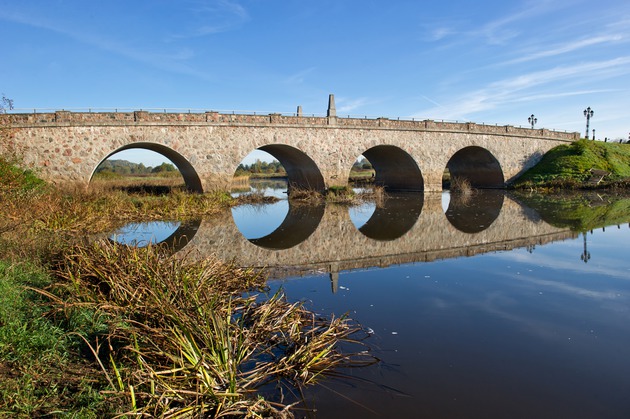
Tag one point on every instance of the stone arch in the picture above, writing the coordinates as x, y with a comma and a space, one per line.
395, 169
478, 165
191, 178
302, 171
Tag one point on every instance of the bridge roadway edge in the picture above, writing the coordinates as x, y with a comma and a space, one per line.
68, 146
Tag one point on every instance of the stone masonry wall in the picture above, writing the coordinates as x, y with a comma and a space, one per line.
67, 146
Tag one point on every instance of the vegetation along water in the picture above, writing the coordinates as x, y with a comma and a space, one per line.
457, 305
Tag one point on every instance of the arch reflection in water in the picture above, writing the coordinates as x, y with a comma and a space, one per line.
475, 212
175, 234
394, 218
298, 224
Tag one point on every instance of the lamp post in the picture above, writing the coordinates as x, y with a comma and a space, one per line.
586, 255
588, 113
532, 120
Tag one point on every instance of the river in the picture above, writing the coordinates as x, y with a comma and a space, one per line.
494, 306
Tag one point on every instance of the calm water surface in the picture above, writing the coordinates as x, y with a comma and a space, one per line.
540, 330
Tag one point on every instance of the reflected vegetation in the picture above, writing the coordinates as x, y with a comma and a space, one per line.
580, 211
275, 187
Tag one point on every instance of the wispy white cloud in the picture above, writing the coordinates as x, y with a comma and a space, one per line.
300, 76
551, 263
213, 16
440, 33
499, 31
349, 105
569, 47
514, 89
557, 95
176, 60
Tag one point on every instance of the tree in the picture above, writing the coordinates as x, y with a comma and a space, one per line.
164, 167
6, 104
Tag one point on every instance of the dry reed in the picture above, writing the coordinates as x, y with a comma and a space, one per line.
183, 339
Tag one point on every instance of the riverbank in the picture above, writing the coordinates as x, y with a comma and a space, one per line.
581, 165
100, 329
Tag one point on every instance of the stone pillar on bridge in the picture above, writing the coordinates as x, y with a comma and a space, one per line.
332, 111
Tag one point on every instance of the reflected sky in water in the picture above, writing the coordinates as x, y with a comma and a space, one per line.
360, 214
523, 333
144, 233
256, 221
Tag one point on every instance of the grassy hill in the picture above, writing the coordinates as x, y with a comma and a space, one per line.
579, 210
580, 164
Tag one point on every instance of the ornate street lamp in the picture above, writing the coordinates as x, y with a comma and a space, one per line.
586, 255
588, 113
532, 120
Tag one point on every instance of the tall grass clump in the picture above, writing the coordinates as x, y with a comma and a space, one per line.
183, 339
340, 195
304, 195
462, 186
376, 194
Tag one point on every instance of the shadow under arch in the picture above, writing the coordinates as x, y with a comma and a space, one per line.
478, 166
178, 239
302, 171
396, 217
188, 172
395, 169
301, 221
474, 213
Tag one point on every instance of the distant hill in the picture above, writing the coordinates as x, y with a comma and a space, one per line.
581, 164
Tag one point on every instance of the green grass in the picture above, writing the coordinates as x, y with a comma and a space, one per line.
17, 178
569, 166
39, 372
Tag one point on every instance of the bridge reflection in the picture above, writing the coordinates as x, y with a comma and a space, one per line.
470, 214
394, 218
405, 230
301, 221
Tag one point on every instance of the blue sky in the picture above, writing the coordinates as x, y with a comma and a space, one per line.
493, 62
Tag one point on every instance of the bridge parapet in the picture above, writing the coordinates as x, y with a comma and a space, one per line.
211, 117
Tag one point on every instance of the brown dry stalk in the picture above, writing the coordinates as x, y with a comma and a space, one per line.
183, 336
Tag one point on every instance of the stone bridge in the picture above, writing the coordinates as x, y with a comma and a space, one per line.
325, 239
317, 152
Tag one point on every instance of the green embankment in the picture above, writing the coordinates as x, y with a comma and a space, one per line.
578, 165
581, 211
